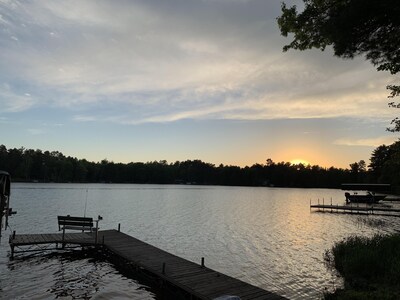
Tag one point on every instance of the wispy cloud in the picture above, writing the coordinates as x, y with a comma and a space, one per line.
85, 118
14, 101
36, 131
372, 142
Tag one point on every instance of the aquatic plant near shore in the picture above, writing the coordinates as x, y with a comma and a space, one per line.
370, 267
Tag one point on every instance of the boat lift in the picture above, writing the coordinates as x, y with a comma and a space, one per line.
369, 196
5, 210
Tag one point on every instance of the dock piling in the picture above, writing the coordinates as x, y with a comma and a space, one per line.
12, 245
202, 262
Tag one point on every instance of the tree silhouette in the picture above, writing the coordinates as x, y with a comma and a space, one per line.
36, 165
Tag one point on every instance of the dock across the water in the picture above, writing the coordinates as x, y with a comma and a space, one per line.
357, 208
194, 281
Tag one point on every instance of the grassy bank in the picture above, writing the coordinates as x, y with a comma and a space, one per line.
370, 267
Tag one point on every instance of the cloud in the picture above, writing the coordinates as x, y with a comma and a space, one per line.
372, 142
152, 61
14, 101
36, 131
83, 118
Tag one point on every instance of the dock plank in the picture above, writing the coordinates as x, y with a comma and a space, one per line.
251, 292
187, 274
202, 282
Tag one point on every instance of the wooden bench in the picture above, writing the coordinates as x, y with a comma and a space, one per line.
74, 223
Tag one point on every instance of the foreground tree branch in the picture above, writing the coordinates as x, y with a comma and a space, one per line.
352, 28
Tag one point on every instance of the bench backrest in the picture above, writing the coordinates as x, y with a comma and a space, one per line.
75, 221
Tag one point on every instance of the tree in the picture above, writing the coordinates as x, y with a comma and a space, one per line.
357, 167
358, 170
385, 164
378, 159
351, 27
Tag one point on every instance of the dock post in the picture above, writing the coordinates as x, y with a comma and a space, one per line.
12, 245
119, 227
202, 262
163, 268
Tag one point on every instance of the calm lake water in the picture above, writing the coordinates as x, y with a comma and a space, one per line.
265, 236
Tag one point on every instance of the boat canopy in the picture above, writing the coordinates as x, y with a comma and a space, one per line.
378, 187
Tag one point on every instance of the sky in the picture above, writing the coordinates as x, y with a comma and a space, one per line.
138, 81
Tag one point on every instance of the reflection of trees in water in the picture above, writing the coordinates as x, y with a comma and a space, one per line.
371, 221
76, 275
29, 261
73, 277
78, 279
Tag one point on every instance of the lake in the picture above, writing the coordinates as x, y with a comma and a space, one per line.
265, 236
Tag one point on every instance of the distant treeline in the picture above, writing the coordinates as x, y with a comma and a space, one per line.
44, 166
36, 165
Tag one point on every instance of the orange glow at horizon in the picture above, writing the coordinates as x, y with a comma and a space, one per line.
299, 161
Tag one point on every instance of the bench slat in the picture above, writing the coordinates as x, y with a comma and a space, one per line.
69, 218
72, 223
78, 227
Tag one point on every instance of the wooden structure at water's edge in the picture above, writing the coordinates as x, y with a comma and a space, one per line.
365, 209
5, 209
193, 281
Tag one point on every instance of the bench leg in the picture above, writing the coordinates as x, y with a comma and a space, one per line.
63, 238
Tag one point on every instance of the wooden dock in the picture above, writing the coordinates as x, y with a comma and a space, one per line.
195, 281
366, 209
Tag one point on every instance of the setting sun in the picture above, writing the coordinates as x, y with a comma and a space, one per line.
299, 161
